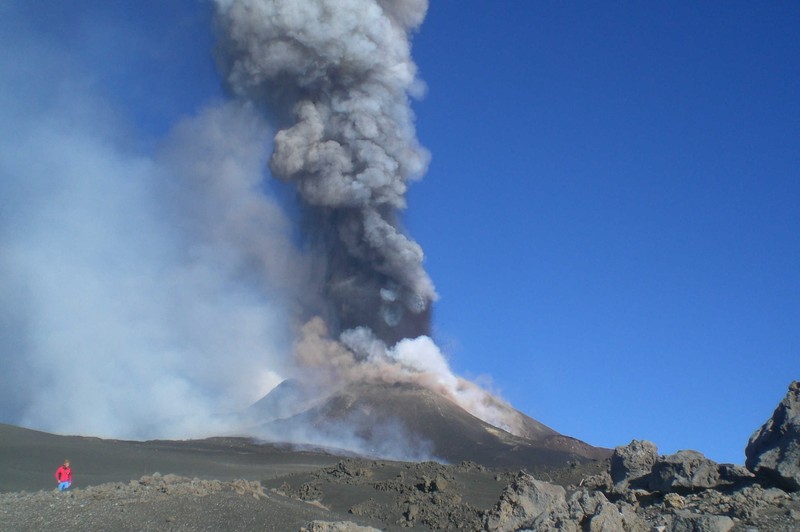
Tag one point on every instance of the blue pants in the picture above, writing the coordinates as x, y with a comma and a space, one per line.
64, 485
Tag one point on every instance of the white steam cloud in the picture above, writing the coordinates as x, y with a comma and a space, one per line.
149, 293
126, 280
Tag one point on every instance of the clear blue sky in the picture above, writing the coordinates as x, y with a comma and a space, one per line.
612, 211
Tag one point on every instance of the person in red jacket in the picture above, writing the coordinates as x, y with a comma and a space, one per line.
64, 476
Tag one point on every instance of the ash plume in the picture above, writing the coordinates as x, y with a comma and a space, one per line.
336, 75
150, 293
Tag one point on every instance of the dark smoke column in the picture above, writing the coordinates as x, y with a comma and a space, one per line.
336, 75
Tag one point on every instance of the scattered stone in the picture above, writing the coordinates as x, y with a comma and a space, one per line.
684, 470
337, 526
673, 500
412, 511
632, 462
466, 465
773, 452
248, 487
428, 485
308, 492
745, 503
348, 472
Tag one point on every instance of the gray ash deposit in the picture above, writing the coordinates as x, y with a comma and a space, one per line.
201, 487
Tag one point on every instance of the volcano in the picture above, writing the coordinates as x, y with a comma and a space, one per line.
403, 419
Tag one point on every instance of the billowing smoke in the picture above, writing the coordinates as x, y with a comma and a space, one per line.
151, 292
336, 74
143, 292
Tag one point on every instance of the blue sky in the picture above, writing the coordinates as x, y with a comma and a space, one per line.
611, 211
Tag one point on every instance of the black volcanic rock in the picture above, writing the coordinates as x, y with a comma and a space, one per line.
773, 451
412, 415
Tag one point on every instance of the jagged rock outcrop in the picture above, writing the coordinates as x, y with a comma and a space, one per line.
593, 511
631, 463
773, 452
607, 519
532, 504
584, 503
684, 470
732, 473
637, 466
526, 502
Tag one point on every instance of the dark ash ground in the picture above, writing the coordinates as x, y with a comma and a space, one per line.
233, 484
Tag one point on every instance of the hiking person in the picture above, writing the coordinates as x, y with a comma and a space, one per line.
64, 476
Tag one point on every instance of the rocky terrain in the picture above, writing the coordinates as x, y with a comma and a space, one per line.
636, 489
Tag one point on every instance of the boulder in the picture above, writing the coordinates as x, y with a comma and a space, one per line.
527, 502
631, 463
773, 452
592, 510
734, 474
630, 521
607, 519
689, 522
600, 482
683, 471
585, 503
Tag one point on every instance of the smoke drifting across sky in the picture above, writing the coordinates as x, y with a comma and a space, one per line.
147, 289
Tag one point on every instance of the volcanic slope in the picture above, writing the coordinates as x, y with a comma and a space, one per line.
407, 421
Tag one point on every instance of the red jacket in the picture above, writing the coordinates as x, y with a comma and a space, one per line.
64, 473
